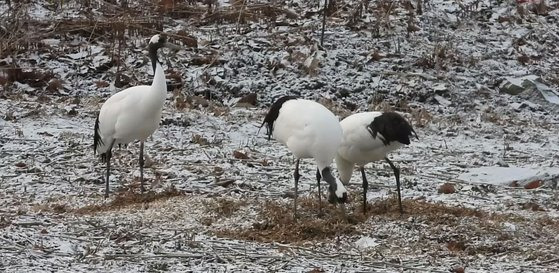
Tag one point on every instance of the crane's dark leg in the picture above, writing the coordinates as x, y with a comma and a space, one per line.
397, 175
318, 178
108, 155
142, 166
296, 177
365, 188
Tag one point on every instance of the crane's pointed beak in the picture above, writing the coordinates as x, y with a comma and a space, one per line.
415, 134
172, 46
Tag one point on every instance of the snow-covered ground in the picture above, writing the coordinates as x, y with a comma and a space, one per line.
220, 193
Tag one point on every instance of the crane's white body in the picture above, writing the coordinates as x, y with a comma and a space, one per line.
358, 146
133, 113
309, 130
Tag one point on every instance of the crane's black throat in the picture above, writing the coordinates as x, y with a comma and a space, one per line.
274, 113
153, 56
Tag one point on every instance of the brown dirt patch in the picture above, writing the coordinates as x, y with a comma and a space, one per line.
128, 198
223, 207
433, 211
275, 223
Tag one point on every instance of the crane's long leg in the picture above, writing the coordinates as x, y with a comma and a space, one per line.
142, 166
108, 155
296, 177
397, 175
318, 178
365, 188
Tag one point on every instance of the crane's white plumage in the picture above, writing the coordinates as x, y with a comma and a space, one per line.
309, 130
369, 137
133, 113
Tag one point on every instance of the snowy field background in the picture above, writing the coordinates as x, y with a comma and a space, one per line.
477, 79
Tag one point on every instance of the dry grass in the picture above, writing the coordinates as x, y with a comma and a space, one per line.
275, 223
431, 211
127, 199
443, 56
224, 207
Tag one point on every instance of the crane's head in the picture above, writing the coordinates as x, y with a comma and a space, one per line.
392, 127
159, 40
337, 193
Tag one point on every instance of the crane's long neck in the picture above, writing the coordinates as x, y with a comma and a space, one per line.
345, 169
159, 85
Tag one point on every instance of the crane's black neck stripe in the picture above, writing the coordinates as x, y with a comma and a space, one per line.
274, 113
393, 127
153, 57
97, 141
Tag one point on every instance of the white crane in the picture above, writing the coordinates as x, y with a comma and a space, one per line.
309, 130
369, 137
133, 113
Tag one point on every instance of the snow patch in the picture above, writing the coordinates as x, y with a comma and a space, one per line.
506, 175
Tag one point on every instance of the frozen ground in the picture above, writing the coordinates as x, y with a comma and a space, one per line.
220, 193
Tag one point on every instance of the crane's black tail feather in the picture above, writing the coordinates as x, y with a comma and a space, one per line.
97, 141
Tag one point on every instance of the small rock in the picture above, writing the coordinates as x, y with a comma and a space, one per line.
458, 269
239, 155
442, 101
511, 86
21, 165
225, 183
447, 188
533, 185
515, 86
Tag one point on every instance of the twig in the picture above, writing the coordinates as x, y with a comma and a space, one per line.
323, 23
549, 261
154, 256
20, 139
384, 264
28, 224
67, 237
240, 16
